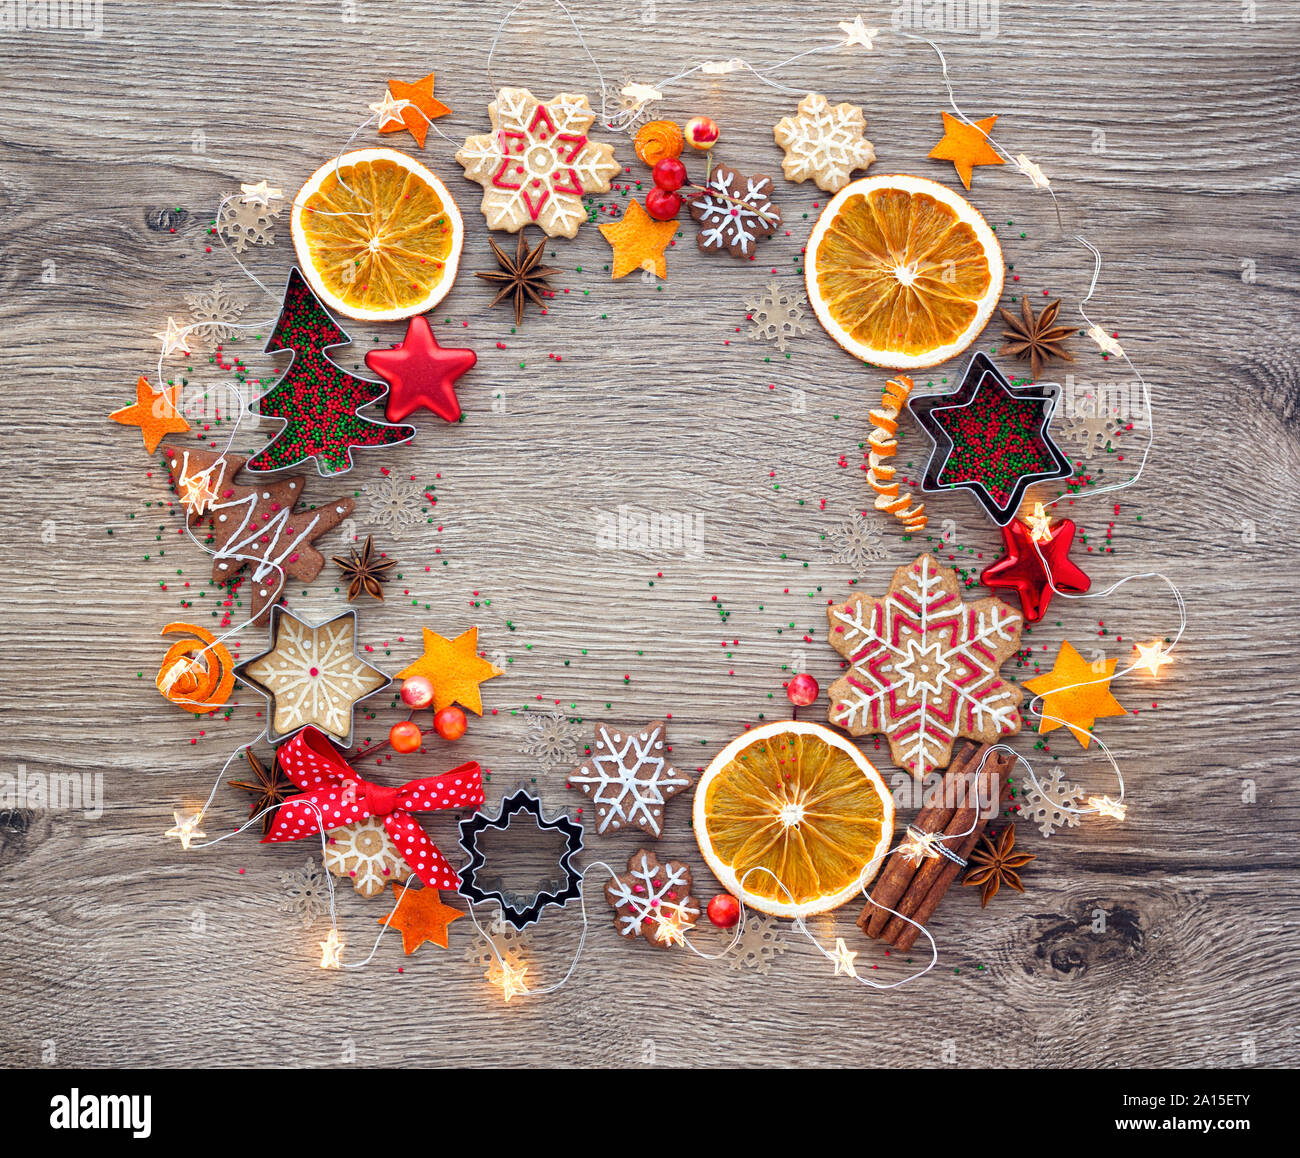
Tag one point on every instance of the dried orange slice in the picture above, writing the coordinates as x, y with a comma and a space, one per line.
793, 804
903, 272
377, 235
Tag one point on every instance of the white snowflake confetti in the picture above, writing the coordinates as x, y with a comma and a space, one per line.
858, 542
307, 892
653, 900
245, 223
215, 313
629, 779
552, 739
1050, 808
397, 504
759, 944
776, 315
824, 143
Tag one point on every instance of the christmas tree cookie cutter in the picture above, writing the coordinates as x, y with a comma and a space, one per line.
999, 494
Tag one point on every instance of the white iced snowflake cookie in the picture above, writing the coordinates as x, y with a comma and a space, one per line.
823, 143
629, 778
364, 853
537, 162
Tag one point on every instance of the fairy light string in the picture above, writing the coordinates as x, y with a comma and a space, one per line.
916, 844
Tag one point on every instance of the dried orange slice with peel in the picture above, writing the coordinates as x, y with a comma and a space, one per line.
378, 236
903, 272
793, 804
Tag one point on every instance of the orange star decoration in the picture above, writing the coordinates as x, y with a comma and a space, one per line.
420, 916
638, 241
419, 109
966, 146
455, 669
155, 413
1078, 706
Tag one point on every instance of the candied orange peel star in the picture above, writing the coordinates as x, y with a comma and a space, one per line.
418, 108
155, 412
966, 146
1078, 707
884, 446
420, 916
455, 668
638, 241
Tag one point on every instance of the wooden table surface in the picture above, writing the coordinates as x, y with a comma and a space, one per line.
1169, 131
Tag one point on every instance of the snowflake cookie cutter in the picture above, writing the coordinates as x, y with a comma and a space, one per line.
981, 375
519, 916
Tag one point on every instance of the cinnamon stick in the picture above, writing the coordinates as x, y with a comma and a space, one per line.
994, 779
898, 872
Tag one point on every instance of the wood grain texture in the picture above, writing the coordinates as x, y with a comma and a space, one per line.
1169, 130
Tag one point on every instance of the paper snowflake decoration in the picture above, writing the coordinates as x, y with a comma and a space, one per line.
653, 900
365, 854
537, 162
215, 313
1092, 427
629, 779
760, 942
1051, 806
776, 315
552, 739
824, 143
924, 666
734, 211
858, 541
397, 504
307, 892
245, 223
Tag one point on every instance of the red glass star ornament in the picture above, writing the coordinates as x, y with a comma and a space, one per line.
421, 373
1020, 567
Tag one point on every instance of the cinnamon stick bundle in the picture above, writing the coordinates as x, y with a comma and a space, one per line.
916, 890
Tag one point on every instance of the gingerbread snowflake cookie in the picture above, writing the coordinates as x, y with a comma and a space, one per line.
629, 779
734, 211
924, 666
653, 900
537, 162
365, 854
823, 143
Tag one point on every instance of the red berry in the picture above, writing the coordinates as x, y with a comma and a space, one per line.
417, 692
406, 736
669, 174
450, 723
662, 204
724, 910
701, 133
802, 690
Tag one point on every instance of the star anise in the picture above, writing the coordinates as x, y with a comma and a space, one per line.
520, 277
994, 863
364, 572
269, 788
1035, 338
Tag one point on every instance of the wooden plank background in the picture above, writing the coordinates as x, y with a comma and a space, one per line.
1169, 129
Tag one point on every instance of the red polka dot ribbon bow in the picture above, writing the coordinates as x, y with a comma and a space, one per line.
333, 795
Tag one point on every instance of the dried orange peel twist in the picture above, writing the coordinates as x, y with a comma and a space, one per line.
880, 472
193, 681
657, 140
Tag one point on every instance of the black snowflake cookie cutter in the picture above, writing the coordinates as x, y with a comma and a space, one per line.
982, 374
520, 916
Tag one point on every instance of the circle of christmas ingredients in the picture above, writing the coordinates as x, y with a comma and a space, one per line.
724, 911
405, 736
378, 236
902, 272
792, 819
450, 723
658, 140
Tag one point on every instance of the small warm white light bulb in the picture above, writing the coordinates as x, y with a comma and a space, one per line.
919, 845
187, 828
1151, 656
1032, 171
1105, 806
511, 980
330, 950
641, 93
856, 32
720, 67
1040, 524
173, 339
843, 958
1105, 341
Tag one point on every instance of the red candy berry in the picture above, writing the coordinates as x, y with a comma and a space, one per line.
450, 723
724, 910
802, 690
417, 692
669, 174
662, 204
701, 133
405, 737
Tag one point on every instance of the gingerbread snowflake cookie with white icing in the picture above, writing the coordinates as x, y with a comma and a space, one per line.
823, 142
629, 778
537, 162
365, 854
653, 900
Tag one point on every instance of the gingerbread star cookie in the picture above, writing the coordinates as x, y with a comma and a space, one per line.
924, 666
537, 162
629, 779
